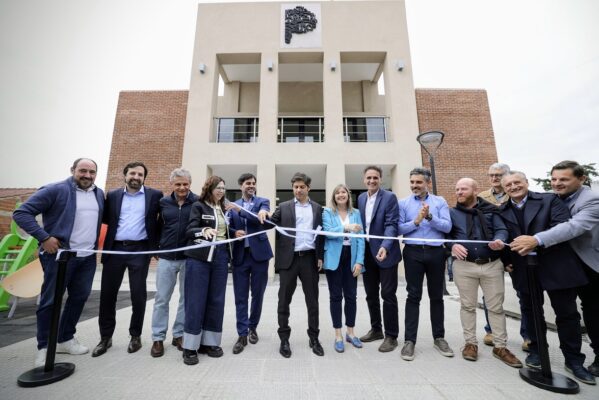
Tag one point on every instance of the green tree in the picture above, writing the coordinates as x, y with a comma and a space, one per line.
589, 171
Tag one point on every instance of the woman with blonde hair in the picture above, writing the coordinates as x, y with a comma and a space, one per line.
343, 262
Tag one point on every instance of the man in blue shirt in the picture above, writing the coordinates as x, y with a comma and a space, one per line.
425, 216
250, 260
133, 225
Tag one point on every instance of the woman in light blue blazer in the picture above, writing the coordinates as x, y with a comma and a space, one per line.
343, 262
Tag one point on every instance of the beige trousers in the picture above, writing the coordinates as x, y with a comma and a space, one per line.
468, 276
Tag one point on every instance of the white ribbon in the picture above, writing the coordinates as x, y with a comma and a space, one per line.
283, 231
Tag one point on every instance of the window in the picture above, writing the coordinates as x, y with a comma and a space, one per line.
300, 129
365, 129
237, 130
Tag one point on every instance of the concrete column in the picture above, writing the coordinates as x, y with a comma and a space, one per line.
267, 187
268, 109
335, 175
333, 98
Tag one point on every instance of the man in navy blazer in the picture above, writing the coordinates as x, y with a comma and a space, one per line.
380, 215
582, 233
559, 271
250, 260
132, 215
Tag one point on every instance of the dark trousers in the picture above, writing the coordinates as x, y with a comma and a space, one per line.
589, 297
420, 261
112, 277
303, 266
342, 284
78, 283
250, 274
384, 281
567, 320
205, 287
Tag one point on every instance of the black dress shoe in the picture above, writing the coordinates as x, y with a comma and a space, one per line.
253, 336
372, 335
102, 347
178, 343
240, 344
211, 351
316, 347
285, 349
134, 344
157, 349
190, 357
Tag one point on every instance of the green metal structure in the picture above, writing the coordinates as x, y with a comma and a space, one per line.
15, 252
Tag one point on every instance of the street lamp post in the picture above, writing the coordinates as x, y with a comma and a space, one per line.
430, 142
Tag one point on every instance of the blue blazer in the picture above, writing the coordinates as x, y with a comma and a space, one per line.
385, 219
259, 244
334, 244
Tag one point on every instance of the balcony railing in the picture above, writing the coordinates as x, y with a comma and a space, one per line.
300, 130
236, 130
365, 129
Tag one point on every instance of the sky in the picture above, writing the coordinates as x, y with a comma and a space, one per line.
64, 62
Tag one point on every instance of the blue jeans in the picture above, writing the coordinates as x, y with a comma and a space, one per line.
342, 284
250, 274
166, 279
205, 286
78, 284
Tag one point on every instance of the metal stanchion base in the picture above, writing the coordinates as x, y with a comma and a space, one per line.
557, 383
38, 377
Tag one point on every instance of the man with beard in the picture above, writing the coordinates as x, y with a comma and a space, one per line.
478, 264
563, 264
72, 215
424, 215
250, 260
132, 215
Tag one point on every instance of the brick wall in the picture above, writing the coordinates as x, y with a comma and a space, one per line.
8, 200
149, 127
469, 144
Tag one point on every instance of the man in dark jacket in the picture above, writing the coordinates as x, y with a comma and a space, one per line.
300, 256
72, 216
560, 272
250, 260
478, 264
174, 215
133, 226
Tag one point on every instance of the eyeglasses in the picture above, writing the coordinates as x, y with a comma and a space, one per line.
220, 188
496, 175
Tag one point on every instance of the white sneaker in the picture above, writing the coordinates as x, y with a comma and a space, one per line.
40, 358
71, 347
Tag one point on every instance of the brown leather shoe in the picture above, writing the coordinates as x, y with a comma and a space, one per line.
134, 344
157, 349
178, 343
507, 357
470, 352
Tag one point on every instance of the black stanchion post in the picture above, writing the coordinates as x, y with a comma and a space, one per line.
51, 372
543, 378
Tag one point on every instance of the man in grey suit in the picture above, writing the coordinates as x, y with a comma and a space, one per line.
582, 230
299, 255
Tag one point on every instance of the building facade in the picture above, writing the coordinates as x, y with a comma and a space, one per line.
321, 88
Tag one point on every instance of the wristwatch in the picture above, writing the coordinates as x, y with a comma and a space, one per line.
429, 217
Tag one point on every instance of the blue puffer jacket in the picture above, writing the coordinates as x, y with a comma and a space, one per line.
57, 204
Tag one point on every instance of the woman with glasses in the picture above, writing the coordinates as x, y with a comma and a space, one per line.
206, 273
343, 262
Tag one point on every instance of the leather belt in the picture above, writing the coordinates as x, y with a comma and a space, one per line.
303, 253
130, 242
481, 261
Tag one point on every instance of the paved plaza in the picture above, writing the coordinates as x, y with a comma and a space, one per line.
260, 373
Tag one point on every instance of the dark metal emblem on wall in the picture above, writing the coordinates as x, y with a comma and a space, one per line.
298, 20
